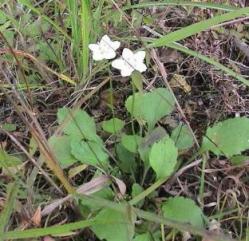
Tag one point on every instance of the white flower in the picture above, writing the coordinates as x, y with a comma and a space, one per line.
129, 62
105, 49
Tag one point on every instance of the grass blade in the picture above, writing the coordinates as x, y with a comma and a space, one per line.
53, 230
197, 27
73, 14
9, 204
209, 60
181, 3
86, 26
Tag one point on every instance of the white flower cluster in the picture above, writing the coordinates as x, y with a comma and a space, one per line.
127, 63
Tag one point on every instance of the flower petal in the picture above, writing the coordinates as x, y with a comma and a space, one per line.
93, 47
109, 54
127, 54
141, 67
124, 68
140, 55
118, 64
114, 45
97, 56
126, 71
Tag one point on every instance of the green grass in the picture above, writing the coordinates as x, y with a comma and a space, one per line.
197, 28
86, 26
181, 3
10, 202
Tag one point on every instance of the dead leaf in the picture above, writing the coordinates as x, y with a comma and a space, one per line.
121, 186
36, 219
179, 81
95, 185
76, 170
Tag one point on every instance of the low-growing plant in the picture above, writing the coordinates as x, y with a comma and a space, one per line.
146, 153
127, 158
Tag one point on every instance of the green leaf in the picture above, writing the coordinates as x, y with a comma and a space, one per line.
78, 124
7, 160
239, 160
137, 80
183, 210
114, 225
126, 159
113, 125
151, 137
131, 142
137, 19
89, 152
182, 137
229, 137
36, 28
105, 193
143, 237
163, 157
61, 147
150, 107
9, 205
137, 189
9, 127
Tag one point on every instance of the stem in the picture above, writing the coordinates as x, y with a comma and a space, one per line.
148, 191
202, 185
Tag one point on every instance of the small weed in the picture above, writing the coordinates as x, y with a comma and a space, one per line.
81, 160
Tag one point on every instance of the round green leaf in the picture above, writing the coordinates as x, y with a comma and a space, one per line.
150, 107
183, 210
163, 157
229, 137
113, 125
